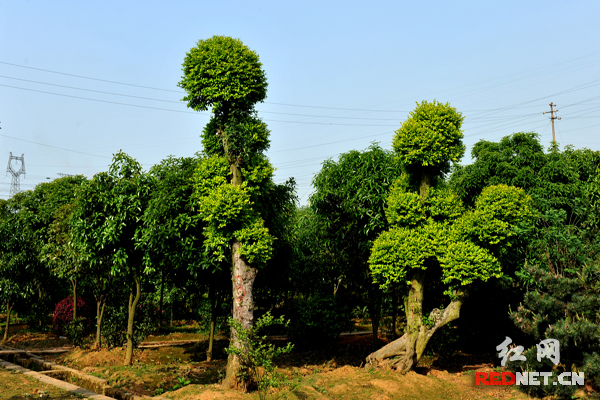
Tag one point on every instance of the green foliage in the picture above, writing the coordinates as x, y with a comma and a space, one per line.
313, 265
465, 246
114, 325
211, 173
430, 138
21, 271
318, 320
564, 296
222, 73
256, 243
75, 330
555, 180
397, 251
350, 195
108, 213
181, 382
404, 209
238, 138
464, 262
443, 205
257, 356
227, 212
172, 228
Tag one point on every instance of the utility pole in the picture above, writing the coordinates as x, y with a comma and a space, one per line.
15, 186
552, 118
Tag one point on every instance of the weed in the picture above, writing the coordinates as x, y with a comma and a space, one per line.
182, 382
320, 389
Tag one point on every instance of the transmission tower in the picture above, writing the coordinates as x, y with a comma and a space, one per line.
15, 186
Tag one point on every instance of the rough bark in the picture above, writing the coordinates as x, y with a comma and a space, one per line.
8, 311
133, 302
213, 320
100, 304
243, 311
404, 353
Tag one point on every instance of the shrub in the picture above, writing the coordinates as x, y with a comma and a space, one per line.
319, 320
257, 356
75, 330
63, 314
114, 324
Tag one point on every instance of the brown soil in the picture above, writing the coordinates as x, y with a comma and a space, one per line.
35, 340
334, 372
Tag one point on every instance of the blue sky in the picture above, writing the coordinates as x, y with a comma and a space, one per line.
341, 75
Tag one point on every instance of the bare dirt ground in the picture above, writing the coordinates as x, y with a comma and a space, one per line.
332, 373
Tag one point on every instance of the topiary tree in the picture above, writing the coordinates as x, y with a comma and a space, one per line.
234, 179
434, 240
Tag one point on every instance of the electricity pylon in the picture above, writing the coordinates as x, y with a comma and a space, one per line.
15, 186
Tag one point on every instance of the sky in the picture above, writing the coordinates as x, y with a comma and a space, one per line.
80, 81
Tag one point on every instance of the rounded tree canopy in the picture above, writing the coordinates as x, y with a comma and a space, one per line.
221, 72
430, 138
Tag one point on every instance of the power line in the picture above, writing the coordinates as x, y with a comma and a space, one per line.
54, 147
90, 78
269, 112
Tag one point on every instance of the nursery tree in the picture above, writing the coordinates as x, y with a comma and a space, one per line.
553, 178
106, 225
60, 254
234, 178
172, 233
52, 202
349, 200
19, 264
434, 240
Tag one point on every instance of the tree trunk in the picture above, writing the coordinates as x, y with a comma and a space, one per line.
404, 353
133, 302
8, 311
213, 320
374, 294
394, 311
160, 307
100, 304
74, 284
243, 312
